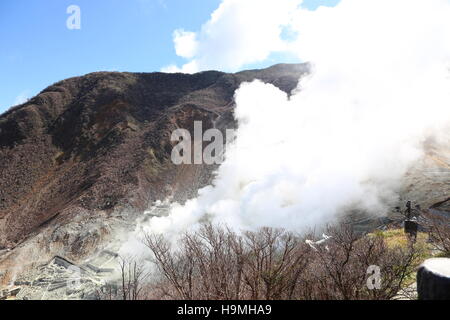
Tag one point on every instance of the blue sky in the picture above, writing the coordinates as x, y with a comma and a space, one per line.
37, 49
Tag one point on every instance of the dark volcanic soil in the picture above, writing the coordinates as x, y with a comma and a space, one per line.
102, 141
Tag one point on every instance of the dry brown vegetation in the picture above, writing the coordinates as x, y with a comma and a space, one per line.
439, 232
217, 263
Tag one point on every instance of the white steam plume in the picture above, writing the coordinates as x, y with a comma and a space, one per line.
379, 86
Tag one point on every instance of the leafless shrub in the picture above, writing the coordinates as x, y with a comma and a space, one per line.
439, 232
273, 263
217, 263
338, 270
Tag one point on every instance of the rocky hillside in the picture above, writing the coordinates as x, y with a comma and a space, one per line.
88, 153
102, 141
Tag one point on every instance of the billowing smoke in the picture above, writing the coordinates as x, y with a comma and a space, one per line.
379, 86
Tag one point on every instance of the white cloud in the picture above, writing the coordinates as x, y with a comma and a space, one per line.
239, 32
185, 43
190, 67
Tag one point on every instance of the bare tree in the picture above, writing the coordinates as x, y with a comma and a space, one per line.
273, 263
439, 232
217, 263
338, 270
131, 284
132, 276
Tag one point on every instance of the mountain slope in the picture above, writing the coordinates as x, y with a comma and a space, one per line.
102, 141
81, 160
